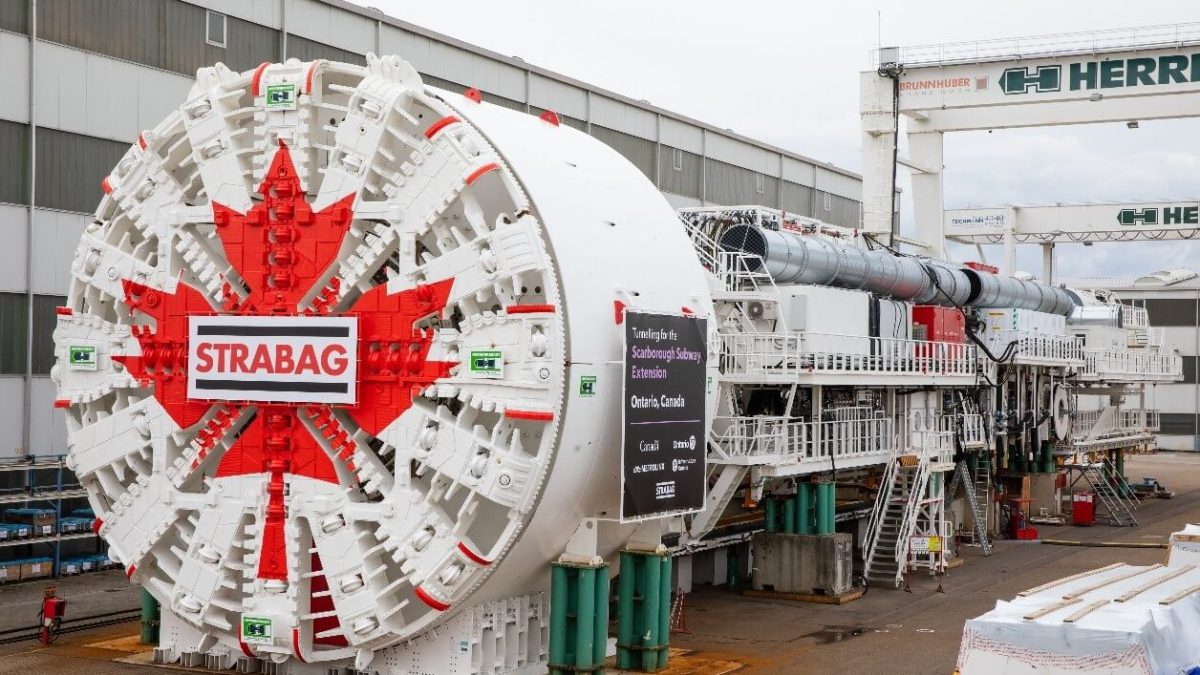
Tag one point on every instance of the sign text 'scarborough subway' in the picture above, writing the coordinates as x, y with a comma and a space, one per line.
286, 359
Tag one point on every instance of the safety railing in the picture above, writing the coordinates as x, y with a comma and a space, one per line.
1032, 346
829, 353
761, 357
1089, 42
1130, 364
1108, 423
740, 271
759, 440
969, 426
1134, 317
771, 357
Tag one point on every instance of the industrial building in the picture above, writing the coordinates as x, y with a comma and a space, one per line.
95, 78
411, 357
1170, 298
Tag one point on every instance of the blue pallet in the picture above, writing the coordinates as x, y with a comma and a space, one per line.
69, 525
10, 531
84, 513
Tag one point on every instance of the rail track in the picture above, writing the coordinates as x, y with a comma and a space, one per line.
31, 633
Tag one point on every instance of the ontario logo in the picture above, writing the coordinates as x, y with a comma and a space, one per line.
1145, 71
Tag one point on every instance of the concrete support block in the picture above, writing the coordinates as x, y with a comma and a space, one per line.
801, 563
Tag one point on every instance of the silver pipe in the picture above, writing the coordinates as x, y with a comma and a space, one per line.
793, 259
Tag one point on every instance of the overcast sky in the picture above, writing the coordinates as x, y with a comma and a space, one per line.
787, 73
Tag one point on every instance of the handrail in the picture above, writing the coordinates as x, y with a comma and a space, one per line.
1036, 345
1085, 42
768, 439
1101, 363
780, 355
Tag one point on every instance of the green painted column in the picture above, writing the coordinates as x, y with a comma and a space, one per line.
826, 504
578, 618
804, 508
789, 515
626, 619
1121, 469
771, 509
149, 618
643, 611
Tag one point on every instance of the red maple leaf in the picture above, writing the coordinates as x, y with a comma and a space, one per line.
280, 247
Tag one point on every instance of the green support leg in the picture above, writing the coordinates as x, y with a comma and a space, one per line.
149, 618
560, 590
1120, 468
826, 502
626, 613
789, 515
804, 508
771, 509
651, 596
643, 611
664, 614
578, 618
600, 641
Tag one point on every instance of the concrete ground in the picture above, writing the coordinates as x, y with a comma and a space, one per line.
888, 631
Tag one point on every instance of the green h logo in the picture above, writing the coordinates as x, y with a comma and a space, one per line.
587, 385
1019, 80
281, 97
1147, 216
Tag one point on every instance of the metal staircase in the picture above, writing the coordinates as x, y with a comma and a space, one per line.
905, 483
1108, 486
977, 490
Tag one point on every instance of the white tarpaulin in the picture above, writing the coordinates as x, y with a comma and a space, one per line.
1119, 620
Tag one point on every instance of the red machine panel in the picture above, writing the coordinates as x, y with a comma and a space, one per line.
939, 324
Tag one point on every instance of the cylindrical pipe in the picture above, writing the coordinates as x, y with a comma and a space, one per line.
772, 514
789, 515
794, 259
804, 508
825, 508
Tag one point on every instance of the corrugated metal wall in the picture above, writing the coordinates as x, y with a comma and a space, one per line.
1178, 424
44, 321
14, 16
170, 34
311, 50
1171, 311
733, 185
679, 172
12, 333
14, 171
70, 168
639, 151
797, 199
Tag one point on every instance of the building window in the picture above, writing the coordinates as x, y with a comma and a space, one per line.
13, 338
760, 183
215, 34
677, 159
827, 201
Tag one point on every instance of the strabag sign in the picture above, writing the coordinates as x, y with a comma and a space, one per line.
281, 359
